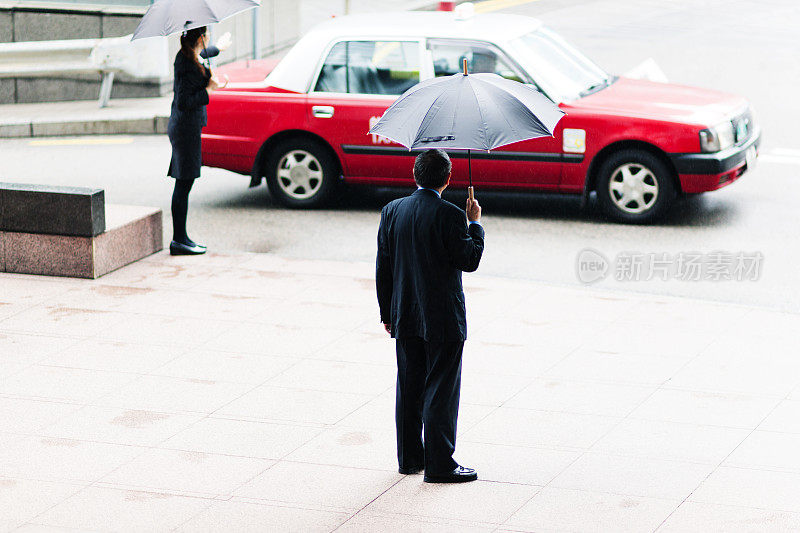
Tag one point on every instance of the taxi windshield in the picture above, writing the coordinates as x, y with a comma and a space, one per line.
559, 69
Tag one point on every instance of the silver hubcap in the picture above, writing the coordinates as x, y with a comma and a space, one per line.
633, 188
299, 174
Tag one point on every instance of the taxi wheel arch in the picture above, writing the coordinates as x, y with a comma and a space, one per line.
281, 144
598, 172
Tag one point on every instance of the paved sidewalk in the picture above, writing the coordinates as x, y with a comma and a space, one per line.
255, 393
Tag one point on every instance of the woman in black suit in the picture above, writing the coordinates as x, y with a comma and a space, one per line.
193, 83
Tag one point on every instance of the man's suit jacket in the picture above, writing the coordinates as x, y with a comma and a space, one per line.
424, 243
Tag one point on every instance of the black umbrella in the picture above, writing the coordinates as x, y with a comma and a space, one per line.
468, 112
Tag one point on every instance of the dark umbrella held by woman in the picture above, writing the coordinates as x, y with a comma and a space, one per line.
193, 84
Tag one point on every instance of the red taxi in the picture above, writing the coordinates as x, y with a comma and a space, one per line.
302, 123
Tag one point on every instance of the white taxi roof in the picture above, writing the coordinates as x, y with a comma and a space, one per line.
299, 66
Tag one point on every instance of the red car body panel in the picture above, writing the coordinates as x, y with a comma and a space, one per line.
250, 70
667, 117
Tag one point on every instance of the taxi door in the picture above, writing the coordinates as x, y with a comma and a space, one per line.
357, 81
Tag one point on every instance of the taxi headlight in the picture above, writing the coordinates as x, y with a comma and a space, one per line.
718, 138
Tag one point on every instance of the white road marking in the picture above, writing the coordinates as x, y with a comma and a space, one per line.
791, 152
82, 141
781, 160
781, 156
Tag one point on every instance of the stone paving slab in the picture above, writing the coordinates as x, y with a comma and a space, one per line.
255, 392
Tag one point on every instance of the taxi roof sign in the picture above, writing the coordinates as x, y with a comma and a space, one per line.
465, 11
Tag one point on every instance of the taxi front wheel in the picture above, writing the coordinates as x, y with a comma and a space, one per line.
635, 186
301, 173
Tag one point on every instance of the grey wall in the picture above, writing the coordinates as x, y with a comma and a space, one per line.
42, 26
29, 21
279, 25
32, 22
7, 91
117, 26
6, 27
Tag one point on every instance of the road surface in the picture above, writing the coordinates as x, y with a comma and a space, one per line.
744, 47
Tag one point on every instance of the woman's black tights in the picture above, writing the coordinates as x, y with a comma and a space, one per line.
180, 208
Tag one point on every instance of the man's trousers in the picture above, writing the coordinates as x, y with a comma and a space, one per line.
428, 391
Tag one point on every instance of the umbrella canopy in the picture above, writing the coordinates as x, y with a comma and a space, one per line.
166, 17
468, 112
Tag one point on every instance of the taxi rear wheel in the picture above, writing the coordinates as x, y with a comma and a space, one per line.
301, 173
635, 186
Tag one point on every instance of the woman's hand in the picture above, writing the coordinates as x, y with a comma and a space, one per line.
224, 42
214, 82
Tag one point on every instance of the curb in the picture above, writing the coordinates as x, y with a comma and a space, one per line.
144, 126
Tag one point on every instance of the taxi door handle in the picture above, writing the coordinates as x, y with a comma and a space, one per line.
322, 111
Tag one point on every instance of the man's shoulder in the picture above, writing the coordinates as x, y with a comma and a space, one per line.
427, 202
404, 202
391, 206
452, 210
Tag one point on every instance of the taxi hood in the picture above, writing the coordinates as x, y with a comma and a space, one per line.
661, 101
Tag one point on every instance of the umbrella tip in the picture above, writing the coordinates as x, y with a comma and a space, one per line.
465, 66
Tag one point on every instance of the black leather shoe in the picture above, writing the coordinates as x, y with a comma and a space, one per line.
178, 248
190, 242
411, 470
459, 475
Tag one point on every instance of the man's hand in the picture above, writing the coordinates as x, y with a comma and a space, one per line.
473, 210
388, 328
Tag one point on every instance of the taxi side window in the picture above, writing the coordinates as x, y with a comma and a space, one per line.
370, 67
333, 77
448, 59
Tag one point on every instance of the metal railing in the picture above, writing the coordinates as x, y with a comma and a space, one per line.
146, 58
131, 3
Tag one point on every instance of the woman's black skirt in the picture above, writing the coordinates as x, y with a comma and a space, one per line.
187, 157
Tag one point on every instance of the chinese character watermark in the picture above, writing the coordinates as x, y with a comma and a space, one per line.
592, 266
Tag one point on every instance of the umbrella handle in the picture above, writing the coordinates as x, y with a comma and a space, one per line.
465, 66
469, 162
208, 59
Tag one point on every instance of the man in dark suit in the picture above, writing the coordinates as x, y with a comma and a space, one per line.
424, 243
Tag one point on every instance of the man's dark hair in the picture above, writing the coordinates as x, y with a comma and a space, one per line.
431, 168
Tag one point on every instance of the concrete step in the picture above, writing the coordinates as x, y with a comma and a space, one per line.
132, 233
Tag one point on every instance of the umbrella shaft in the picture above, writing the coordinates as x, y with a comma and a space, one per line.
469, 164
